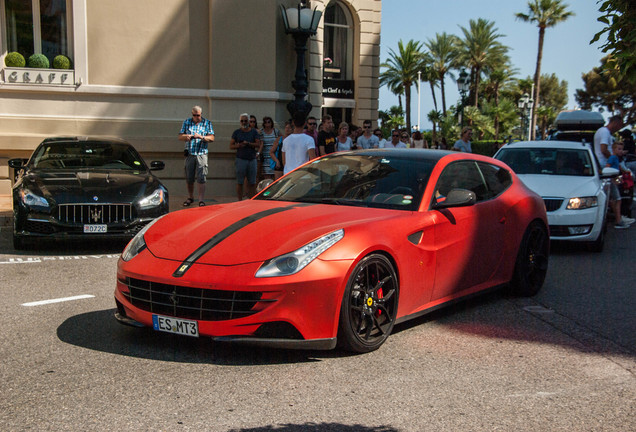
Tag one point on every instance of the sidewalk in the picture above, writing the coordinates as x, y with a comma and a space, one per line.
176, 203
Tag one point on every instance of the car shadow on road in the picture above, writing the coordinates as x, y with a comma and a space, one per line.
47, 247
317, 427
100, 331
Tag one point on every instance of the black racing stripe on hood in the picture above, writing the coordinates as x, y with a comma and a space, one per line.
222, 235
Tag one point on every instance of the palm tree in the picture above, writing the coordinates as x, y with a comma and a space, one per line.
434, 117
442, 54
402, 67
481, 50
429, 75
497, 78
546, 13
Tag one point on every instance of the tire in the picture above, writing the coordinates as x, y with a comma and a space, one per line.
532, 261
598, 244
18, 243
369, 305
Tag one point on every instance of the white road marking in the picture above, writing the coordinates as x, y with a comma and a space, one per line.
32, 260
58, 300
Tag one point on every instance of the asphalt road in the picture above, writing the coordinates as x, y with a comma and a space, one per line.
563, 360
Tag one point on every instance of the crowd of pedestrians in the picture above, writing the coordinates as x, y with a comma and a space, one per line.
268, 153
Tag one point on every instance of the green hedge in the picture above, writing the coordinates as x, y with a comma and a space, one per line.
38, 61
14, 59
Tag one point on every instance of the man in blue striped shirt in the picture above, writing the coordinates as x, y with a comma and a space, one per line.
197, 132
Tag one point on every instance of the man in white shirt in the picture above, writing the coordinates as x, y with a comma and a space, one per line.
395, 141
603, 139
299, 147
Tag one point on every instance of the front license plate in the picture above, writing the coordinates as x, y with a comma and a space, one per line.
175, 325
95, 228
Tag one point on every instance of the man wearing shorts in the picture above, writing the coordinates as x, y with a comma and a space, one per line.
197, 132
246, 141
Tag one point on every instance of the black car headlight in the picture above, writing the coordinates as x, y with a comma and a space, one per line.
582, 203
294, 262
155, 199
138, 243
32, 200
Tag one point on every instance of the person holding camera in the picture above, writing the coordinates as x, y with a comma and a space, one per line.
197, 132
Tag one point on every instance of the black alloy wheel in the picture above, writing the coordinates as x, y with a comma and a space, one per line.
532, 261
369, 306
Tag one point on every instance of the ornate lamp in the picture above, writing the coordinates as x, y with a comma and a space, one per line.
301, 22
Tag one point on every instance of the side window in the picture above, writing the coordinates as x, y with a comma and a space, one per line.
498, 179
462, 175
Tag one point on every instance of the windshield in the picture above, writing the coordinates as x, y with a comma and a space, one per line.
76, 155
553, 161
356, 179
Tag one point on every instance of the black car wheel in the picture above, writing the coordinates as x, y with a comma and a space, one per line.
598, 244
369, 305
532, 261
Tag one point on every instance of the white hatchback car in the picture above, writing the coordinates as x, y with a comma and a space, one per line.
567, 176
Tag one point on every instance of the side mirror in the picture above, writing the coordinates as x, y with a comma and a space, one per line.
457, 198
263, 184
16, 163
157, 165
609, 173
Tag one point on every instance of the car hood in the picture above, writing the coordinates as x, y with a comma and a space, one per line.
90, 186
559, 186
251, 231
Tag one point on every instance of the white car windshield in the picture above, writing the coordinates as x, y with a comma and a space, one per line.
550, 161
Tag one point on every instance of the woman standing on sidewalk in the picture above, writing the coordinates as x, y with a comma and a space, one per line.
269, 135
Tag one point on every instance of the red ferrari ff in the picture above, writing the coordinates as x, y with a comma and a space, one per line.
337, 251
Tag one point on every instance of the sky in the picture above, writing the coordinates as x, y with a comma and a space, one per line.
566, 49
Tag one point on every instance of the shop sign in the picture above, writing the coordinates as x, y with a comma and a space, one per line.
338, 89
32, 76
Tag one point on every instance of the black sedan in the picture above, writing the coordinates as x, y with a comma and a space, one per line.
76, 187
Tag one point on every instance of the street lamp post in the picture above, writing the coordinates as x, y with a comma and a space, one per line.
525, 106
463, 85
301, 22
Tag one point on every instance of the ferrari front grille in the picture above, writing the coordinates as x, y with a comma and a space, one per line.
95, 213
191, 303
552, 204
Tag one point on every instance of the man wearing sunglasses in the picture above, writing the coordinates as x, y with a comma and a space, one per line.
312, 131
395, 141
197, 132
247, 143
367, 140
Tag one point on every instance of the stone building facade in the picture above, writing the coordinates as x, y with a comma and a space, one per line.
137, 68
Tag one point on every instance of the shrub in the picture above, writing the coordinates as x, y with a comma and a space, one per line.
61, 62
38, 61
14, 59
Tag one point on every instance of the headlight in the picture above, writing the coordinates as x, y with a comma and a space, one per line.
31, 199
582, 203
294, 262
153, 200
138, 243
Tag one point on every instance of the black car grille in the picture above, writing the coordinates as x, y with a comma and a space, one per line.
552, 204
39, 227
95, 213
191, 303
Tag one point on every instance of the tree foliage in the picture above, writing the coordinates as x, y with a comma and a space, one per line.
619, 17
608, 88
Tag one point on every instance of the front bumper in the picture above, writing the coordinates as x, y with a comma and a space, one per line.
576, 225
299, 311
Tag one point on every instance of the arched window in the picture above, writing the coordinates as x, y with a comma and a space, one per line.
338, 42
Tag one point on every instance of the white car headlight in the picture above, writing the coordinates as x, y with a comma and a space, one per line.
31, 199
582, 203
294, 262
138, 243
152, 200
